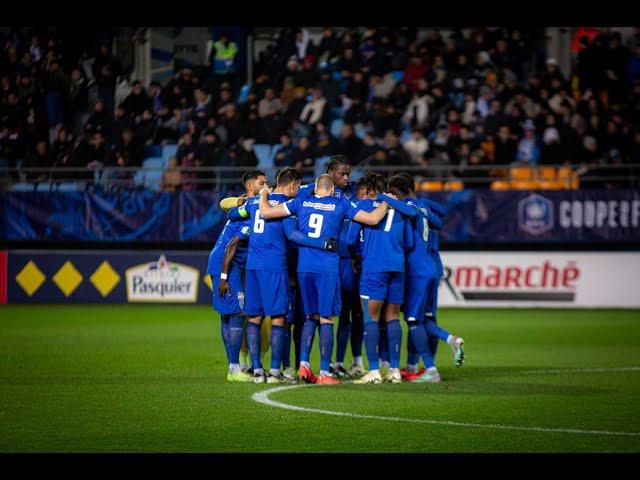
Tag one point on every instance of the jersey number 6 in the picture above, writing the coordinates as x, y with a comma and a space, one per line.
258, 223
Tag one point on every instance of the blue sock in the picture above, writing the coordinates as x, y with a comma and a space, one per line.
383, 347
435, 333
342, 338
253, 342
286, 352
224, 331
297, 340
394, 334
235, 338
278, 336
306, 342
326, 345
418, 333
412, 354
371, 341
357, 332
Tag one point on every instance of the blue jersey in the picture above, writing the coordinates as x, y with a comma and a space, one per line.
433, 244
349, 192
322, 218
384, 244
420, 262
267, 240
230, 230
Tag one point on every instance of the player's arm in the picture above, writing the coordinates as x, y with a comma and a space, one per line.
353, 235
371, 218
228, 203
439, 210
294, 235
406, 209
434, 221
239, 213
267, 211
409, 242
229, 253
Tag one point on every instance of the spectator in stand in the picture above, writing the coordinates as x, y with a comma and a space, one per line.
505, 147
396, 155
98, 121
209, 151
552, 152
91, 154
348, 144
316, 109
39, 158
269, 105
137, 101
528, 149
417, 113
283, 156
415, 70
62, 148
146, 128
171, 177
303, 156
130, 148
417, 146
222, 58
106, 69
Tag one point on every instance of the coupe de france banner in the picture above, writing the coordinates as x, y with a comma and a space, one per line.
473, 216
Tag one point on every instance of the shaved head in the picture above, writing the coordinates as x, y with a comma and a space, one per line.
324, 184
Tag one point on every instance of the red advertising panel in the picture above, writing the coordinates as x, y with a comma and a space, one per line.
3, 277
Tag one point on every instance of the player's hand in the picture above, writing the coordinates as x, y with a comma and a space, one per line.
264, 192
223, 288
391, 195
241, 199
331, 244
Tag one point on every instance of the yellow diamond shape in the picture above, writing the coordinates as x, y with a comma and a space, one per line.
67, 278
207, 281
30, 278
105, 278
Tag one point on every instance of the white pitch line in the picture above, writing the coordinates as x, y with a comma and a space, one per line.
263, 398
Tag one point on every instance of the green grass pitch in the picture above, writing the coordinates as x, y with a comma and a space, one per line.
152, 379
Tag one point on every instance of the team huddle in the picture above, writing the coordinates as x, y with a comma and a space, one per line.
291, 260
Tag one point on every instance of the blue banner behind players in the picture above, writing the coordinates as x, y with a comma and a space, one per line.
472, 216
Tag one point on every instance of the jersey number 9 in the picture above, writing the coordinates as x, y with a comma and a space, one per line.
315, 222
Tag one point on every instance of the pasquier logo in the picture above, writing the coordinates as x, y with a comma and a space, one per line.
162, 281
544, 281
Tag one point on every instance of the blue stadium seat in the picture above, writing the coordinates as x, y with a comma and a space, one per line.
153, 168
44, 187
244, 93
22, 187
138, 178
337, 76
397, 75
337, 112
263, 152
336, 125
168, 151
152, 151
71, 186
359, 130
406, 136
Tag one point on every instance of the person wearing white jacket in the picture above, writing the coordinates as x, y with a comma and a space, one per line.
417, 112
416, 146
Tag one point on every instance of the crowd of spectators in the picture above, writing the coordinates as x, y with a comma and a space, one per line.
474, 97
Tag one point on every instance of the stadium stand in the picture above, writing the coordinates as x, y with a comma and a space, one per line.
463, 101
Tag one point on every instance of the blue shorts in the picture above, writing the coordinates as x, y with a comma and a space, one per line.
233, 303
431, 304
266, 293
320, 293
415, 297
348, 278
383, 286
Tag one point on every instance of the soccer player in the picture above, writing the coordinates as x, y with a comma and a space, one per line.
320, 216
350, 325
433, 266
267, 282
382, 280
226, 267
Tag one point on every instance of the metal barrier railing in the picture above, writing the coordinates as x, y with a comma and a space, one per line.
224, 176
